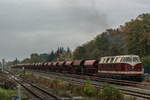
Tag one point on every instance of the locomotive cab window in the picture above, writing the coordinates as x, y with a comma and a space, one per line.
128, 59
136, 59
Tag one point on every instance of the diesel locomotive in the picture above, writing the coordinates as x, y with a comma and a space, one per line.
127, 67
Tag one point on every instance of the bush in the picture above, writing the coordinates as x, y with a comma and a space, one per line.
110, 93
78, 90
89, 89
4, 95
56, 83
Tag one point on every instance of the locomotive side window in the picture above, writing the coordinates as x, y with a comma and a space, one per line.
116, 59
124, 59
107, 60
104, 61
136, 59
101, 61
112, 59
128, 59
121, 59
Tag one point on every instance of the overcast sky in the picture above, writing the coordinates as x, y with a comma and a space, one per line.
28, 26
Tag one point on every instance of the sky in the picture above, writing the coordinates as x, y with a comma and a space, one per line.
39, 26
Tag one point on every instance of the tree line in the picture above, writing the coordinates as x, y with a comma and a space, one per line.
60, 54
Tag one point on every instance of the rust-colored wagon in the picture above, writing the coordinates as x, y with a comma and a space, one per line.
54, 66
90, 67
77, 66
68, 67
60, 66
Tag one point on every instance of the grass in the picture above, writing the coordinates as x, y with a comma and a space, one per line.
4, 94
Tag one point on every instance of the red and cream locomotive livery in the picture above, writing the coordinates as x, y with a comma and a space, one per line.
122, 67
127, 67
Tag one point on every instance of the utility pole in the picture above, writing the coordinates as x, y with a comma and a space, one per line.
19, 92
3, 62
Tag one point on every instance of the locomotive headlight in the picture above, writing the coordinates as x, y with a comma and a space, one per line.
132, 67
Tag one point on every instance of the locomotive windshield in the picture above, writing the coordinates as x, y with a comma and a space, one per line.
136, 59
126, 59
130, 59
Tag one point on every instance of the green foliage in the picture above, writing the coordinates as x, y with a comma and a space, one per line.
16, 61
103, 45
138, 35
67, 55
78, 90
86, 90
146, 64
26, 60
110, 93
89, 89
4, 95
35, 58
44, 57
7, 94
56, 83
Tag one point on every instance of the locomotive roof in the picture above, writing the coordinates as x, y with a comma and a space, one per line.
123, 56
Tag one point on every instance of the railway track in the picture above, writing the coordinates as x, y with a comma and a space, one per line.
108, 80
138, 92
38, 92
35, 90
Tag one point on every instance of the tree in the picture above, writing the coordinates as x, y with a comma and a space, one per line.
26, 60
146, 64
44, 57
35, 58
138, 35
16, 61
79, 52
